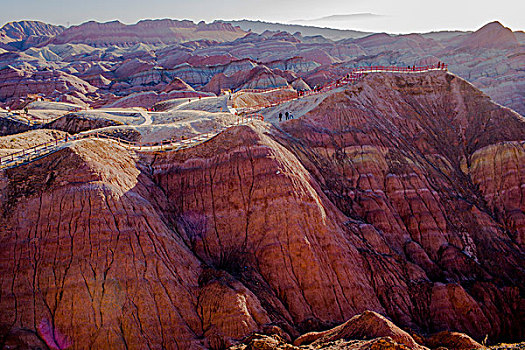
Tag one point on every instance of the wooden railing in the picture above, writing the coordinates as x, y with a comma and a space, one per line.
46, 148
353, 76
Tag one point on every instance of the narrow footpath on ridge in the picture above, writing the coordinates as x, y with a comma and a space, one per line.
39, 151
355, 75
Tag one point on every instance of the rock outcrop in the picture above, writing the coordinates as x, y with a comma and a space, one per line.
28, 139
300, 85
366, 331
19, 83
131, 67
9, 126
452, 340
22, 35
177, 84
150, 98
251, 99
491, 36
73, 123
258, 78
368, 325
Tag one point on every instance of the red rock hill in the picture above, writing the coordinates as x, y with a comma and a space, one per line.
402, 195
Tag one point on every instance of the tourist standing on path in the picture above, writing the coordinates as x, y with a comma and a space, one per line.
286, 114
280, 116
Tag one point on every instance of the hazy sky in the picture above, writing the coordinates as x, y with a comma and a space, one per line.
398, 16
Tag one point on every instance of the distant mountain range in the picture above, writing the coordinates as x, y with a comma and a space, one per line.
329, 33
340, 18
100, 63
25, 34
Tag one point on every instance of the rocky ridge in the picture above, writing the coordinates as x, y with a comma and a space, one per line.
156, 32
25, 34
119, 60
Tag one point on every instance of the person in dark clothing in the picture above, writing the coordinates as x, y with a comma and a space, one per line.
280, 116
286, 114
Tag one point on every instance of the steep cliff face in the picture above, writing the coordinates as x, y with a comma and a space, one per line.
403, 174
401, 195
85, 249
437, 169
269, 224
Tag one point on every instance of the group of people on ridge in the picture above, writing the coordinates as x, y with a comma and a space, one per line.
287, 115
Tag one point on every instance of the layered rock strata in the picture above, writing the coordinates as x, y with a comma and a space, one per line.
400, 195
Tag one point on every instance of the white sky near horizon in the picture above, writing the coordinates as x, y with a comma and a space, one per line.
402, 16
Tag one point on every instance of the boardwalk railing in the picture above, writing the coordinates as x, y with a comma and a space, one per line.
43, 149
353, 76
15, 117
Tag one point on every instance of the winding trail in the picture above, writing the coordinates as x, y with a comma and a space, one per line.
39, 151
